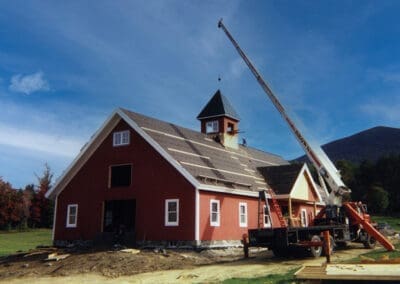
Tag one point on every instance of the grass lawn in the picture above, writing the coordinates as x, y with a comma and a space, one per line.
269, 279
11, 242
393, 222
289, 277
378, 254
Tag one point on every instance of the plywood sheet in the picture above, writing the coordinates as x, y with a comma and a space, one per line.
369, 272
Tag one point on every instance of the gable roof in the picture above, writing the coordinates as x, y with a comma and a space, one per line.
217, 106
284, 178
281, 178
208, 161
205, 163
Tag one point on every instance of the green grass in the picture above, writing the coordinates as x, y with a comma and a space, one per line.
377, 254
393, 222
269, 279
11, 242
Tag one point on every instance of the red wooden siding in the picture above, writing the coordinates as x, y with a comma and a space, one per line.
229, 228
222, 123
153, 181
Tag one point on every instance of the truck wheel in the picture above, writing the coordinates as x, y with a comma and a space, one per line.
316, 251
370, 243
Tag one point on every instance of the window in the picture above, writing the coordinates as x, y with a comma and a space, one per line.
72, 215
120, 175
231, 128
212, 126
303, 218
267, 217
172, 212
121, 138
214, 213
242, 214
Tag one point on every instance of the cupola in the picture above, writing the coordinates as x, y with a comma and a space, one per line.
219, 120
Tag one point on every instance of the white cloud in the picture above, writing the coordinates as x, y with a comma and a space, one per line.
29, 83
36, 141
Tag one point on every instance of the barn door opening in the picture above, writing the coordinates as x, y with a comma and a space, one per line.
119, 216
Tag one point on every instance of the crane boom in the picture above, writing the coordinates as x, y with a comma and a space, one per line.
321, 162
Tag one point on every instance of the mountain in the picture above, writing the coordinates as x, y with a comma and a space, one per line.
370, 144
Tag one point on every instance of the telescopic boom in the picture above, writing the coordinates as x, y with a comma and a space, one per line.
321, 162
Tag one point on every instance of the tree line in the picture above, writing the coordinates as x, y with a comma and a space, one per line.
374, 183
28, 207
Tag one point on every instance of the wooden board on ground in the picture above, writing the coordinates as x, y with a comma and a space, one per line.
375, 272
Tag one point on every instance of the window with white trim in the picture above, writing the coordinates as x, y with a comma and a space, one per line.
72, 215
214, 213
243, 214
171, 212
267, 217
303, 218
121, 138
212, 126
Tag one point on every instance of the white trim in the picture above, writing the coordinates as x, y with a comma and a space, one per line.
304, 169
219, 115
99, 137
197, 217
214, 188
213, 126
159, 149
86, 152
53, 233
269, 224
305, 223
75, 224
242, 224
218, 212
167, 222
121, 138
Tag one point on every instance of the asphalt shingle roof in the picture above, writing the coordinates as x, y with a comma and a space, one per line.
281, 178
218, 105
207, 160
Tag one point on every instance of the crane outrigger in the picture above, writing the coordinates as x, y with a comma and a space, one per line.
346, 221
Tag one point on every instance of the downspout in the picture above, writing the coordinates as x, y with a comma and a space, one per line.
54, 219
197, 218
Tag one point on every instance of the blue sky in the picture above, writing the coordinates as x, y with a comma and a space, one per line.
64, 67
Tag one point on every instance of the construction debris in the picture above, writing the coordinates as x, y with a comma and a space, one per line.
132, 251
56, 257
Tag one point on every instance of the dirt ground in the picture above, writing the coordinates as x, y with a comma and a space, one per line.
151, 266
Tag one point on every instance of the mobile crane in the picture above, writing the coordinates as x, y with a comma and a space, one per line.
345, 221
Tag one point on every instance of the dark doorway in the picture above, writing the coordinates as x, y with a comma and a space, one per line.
119, 216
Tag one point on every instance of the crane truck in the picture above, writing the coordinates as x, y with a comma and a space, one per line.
345, 221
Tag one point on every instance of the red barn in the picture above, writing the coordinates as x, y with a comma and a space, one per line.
149, 182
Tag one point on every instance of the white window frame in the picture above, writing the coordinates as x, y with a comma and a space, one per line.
121, 138
212, 126
167, 221
242, 205
303, 217
268, 223
74, 224
218, 212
